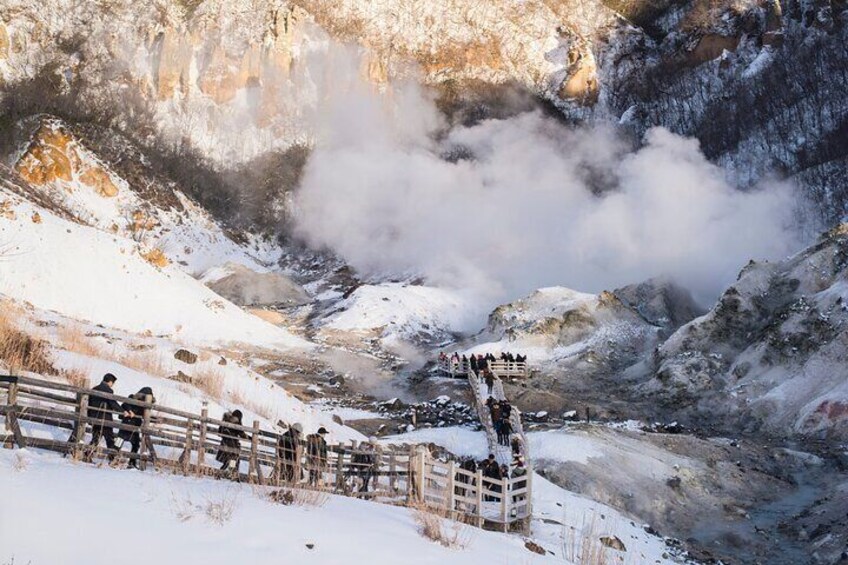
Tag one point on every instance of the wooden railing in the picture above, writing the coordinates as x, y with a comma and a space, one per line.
55, 416
504, 369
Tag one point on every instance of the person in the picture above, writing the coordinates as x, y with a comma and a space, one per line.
482, 363
519, 476
474, 364
228, 454
504, 431
490, 357
491, 470
510, 358
135, 418
316, 451
506, 409
470, 466
100, 412
490, 381
516, 445
503, 356
496, 413
287, 452
366, 462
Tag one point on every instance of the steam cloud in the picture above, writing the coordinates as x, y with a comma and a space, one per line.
528, 203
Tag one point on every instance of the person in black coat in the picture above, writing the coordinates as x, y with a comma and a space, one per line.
287, 452
135, 418
100, 412
316, 450
473, 364
230, 438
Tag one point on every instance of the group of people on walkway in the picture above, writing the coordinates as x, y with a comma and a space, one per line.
291, 445
501, 412
490, 469
478, 363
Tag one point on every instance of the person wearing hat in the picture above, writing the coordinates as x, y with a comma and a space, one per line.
287, 451
229, 453
519, 477
365, 462
316, 451
100, 410
135, 418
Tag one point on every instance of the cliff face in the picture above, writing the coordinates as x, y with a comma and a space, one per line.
758, 82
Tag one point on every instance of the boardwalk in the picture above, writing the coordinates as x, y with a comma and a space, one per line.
54, 416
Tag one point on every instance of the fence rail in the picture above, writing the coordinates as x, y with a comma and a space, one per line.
504, 369
55, 416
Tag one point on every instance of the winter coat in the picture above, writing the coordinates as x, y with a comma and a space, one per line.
287, 445
473, 363
491, 469
490, 379
98, 406
497, 412
316, 448
137, 419
230, 437
506, 408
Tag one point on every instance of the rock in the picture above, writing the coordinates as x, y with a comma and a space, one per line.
283, 497
673, 482
338, 419
393, 404
4, 42
36, 218
181, 377
442, 400
156, 257
186, 356
534, 547
310, 546
570, 416
222, 362
613, 542
100, 181
337, 380
245, 287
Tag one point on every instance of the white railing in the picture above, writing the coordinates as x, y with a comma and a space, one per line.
509, 369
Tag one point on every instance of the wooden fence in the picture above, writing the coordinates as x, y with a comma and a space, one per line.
504, 369
55, 416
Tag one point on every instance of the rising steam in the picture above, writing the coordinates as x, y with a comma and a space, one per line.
507, 206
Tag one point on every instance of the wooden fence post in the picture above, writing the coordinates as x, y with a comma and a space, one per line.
422, 469
298, 461
185, 458
504, 496
451, 495
392, 473
146, 443
340, 482
12, 415
201, 449
479, 480
253, 465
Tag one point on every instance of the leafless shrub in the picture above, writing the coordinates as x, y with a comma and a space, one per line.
20, 462
218, 510
583, 546
447, 533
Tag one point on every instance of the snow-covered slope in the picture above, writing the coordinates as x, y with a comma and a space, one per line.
133, 518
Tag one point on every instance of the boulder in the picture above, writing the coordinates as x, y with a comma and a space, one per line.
612, 542
186, 356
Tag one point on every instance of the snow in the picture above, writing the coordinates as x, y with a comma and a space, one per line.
401, 310
107, 516
105, 280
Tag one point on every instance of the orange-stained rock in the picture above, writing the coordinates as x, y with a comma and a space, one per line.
100, 181
582, 82
175, 55
6, 210
50, 157
4, 42
156, 257
36, 218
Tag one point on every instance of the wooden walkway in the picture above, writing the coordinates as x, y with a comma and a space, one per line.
504, 369
54, 416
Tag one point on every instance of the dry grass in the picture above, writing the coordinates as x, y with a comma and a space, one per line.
445, 532
19, 350
583, 546
210, 381
150, 362
264, 409
73, 338
76, 377
303, 497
